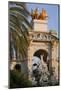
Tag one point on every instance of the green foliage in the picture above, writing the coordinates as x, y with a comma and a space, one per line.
18, 27
53, 30
18, 80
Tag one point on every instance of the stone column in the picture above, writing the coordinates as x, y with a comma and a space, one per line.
55, 63
29, 64
50, 55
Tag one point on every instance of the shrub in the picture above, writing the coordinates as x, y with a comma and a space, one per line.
18, 80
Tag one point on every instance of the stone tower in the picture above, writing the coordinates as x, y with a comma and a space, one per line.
42, 41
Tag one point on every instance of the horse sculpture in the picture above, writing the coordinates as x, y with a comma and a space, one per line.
42, 16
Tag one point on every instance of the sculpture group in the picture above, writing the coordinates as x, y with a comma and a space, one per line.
35, 15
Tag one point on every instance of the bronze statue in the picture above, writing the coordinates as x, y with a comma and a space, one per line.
34, 14
41, 16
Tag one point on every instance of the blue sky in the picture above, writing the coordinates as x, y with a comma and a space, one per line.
52, 12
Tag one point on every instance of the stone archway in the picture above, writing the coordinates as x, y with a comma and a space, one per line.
37, 49
40, 66
34, 47
40, 55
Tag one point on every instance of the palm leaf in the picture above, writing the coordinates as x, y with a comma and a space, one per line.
18, 26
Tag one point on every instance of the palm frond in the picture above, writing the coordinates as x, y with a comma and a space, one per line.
18, 26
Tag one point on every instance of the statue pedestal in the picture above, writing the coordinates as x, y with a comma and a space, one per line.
40, 25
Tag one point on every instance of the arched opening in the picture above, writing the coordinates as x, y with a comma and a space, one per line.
40, 66
39, 57
40, 53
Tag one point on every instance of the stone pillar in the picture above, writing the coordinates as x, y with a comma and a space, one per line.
49, 55
29, 64
55, 63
